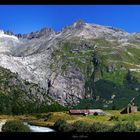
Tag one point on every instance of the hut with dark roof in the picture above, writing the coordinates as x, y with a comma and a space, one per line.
87, 112
129, 109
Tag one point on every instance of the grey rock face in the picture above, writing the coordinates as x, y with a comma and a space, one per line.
68, 88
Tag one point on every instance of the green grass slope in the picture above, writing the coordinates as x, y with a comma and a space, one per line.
111, 77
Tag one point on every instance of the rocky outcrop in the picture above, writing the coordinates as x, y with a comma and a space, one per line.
43, 32
68, 89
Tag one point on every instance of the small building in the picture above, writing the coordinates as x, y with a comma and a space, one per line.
74, 50
129, 109
87, 112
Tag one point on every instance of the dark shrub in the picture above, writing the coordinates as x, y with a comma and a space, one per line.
67, 128
125, 127
43, 116
15, 126
61, 125
131, 127
80, 126
59, 122
100, 127
114, 118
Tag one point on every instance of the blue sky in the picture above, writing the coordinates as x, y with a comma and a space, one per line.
28, 18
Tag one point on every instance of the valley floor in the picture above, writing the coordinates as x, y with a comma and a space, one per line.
48, 119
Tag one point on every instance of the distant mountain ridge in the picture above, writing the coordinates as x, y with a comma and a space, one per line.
46, 31
61, 63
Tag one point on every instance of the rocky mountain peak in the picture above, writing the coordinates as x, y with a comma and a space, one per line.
79, 24
43, 32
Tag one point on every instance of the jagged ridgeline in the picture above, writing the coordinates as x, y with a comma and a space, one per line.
18, 96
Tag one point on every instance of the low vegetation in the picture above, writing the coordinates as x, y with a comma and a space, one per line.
79, 126
105, 90
15, 126
125, 127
